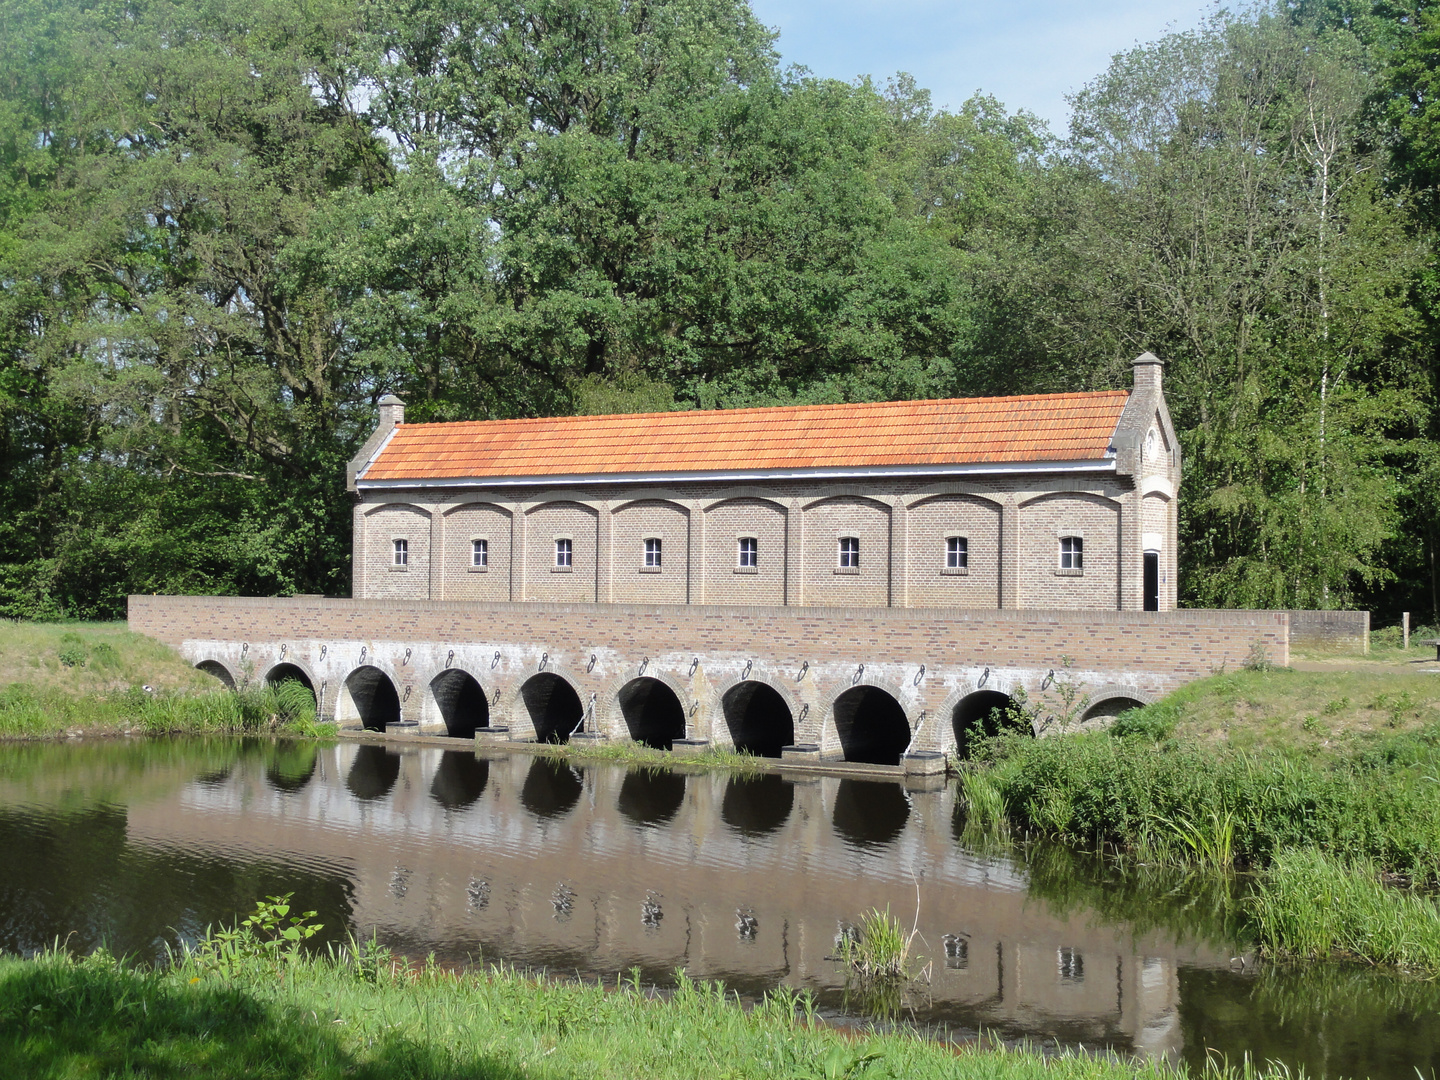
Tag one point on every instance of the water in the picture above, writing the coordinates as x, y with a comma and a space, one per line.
594, 870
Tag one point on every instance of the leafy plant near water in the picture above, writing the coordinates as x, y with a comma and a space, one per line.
878, 947
270, 935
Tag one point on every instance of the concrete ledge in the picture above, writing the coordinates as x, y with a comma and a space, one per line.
488, 736
801, 752
923, 763
689, 747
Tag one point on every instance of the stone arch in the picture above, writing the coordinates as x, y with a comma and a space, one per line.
1112, 699
653, 712
414, 508
951, 489
870, 724
974, 717
288, 670
369, 695
609, 716
759, 716
461, 702
551, 704
641, 498
476, 504
219, 669
849, 491
744, 491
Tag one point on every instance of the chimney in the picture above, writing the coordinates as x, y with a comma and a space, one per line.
1147, 368
392, 410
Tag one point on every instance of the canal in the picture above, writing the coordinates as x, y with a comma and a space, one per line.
592, 870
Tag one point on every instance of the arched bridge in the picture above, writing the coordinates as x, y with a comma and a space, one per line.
863, 685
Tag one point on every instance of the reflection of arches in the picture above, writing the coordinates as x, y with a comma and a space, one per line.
1111, 706
871, 725
461, 702
652, 712
459, 779
374, 696
553, 705
980, 715
291, 765
755, 805
289, 673
551, 788
373, 773
651, 796
219, 671
759, 720
868, 813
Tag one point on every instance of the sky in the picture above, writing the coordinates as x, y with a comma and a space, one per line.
1027, 55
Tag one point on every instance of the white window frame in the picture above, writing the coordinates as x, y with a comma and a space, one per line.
400, 551
564, 553
654, 552
847, 553
747, 552
479, 553
957, 553
1073, 559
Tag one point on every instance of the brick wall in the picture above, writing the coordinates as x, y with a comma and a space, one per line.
1330, 631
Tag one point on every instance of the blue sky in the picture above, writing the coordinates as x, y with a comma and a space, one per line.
1027, 55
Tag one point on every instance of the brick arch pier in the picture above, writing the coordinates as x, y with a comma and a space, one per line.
926, 659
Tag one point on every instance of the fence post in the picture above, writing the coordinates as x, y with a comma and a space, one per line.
1405, 629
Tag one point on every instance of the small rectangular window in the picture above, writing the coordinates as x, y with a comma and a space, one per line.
402, 552
479, 552
749, 552
563, 552
1072, 553
652, 551
850, 552
957, 553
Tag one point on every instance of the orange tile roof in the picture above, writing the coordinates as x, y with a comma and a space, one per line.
960, 431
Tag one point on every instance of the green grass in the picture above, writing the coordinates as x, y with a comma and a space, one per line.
84, 659
629, 753
338, 1016
1311, 905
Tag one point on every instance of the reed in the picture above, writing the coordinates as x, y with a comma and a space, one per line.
629, 753
1311, 905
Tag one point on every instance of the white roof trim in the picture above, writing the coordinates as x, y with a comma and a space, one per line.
376, 455
876, 473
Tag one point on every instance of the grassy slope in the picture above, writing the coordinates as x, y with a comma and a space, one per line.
67, 678
1325, 783
66, 1020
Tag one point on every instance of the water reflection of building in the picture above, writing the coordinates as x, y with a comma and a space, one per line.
742, 879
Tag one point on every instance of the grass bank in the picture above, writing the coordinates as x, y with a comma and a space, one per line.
61, 679
342, 1015
1341, 828
646, 757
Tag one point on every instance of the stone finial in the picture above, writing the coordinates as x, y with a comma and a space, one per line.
1148, 369
392, 411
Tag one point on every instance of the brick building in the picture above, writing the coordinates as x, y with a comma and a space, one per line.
1058, 501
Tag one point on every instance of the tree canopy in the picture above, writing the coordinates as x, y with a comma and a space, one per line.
227, 229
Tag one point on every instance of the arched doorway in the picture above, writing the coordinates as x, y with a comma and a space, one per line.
283, 673
219, 671
374, 696
551, 788
760, 722
460, 779
651, 796
373, 773
871, 725
869, 813
756, 805
983, 714
553, 705
652, 712
461, 702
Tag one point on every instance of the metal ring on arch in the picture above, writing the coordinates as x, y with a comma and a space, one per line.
515, 715
830, 736
715, 715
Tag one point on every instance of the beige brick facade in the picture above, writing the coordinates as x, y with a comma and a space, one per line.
1012, 520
